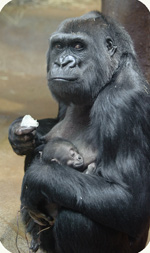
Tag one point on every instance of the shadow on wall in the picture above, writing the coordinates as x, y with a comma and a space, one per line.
135, 17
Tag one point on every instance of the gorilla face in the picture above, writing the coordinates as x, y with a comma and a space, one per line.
82, 58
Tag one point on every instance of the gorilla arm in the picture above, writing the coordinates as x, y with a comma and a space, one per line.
23, 141
110, 203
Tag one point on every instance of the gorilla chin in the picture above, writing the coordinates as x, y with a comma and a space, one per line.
70, 91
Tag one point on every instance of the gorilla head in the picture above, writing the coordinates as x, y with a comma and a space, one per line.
83, 56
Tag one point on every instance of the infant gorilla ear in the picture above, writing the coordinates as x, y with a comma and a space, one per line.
63, 152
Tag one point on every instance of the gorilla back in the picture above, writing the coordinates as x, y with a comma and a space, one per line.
92, 68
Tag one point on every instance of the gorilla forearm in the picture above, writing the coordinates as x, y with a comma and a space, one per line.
80, 193
23, 142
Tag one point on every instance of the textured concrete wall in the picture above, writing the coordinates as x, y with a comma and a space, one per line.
60, 3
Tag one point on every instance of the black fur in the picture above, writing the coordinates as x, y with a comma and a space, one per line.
109, 109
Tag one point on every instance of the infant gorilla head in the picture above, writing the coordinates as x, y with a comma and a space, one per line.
63, 152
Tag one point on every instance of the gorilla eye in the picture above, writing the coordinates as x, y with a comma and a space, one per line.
78, 46
72, 153
58, 46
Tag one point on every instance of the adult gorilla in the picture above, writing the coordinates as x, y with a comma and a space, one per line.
92, 68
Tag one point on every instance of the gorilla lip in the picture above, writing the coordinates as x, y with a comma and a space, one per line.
63, 79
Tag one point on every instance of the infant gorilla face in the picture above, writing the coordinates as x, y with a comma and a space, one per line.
63, 152
74, 159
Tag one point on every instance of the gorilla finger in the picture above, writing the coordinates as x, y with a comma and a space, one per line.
29, 137
24, 148
24, 130
21, 139
34, 246
24, 145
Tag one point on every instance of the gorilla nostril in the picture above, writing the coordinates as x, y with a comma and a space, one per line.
79, 157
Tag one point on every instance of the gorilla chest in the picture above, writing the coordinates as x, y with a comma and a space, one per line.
76, 130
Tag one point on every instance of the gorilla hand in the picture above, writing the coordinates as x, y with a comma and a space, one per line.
22, 139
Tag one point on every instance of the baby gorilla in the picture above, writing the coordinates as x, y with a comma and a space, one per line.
63, 152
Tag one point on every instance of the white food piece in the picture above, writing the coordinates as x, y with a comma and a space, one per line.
28, 121
2, 249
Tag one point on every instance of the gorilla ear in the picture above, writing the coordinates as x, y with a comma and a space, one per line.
111, 48
48, 59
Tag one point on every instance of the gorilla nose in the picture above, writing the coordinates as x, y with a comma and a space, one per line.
68, 61
79, 158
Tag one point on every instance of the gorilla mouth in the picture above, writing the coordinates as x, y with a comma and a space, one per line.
78, 164
63, 79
